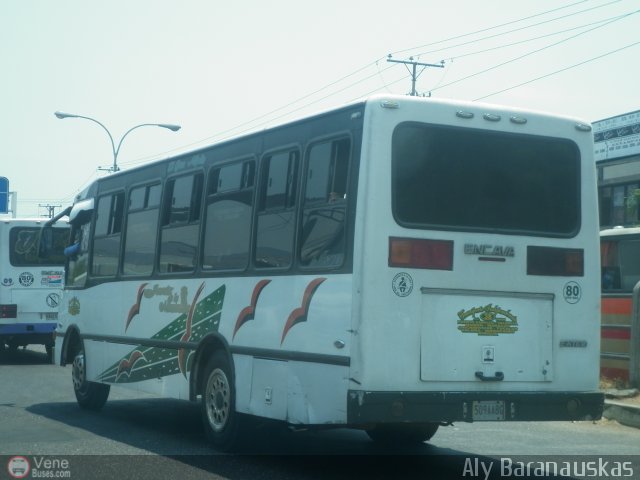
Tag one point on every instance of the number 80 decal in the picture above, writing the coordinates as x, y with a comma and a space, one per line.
572, 292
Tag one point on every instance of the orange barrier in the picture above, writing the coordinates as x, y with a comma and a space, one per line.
615, 347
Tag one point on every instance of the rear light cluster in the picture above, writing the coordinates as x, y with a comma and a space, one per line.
9, 310
421, 253
438, 255
557, 262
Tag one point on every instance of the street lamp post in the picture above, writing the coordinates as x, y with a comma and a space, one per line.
114, 149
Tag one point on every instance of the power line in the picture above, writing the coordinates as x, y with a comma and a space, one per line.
507, 32
533, 51
492, 28
558, 71
531, 39
222, 135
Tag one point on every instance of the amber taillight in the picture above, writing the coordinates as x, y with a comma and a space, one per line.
420, 253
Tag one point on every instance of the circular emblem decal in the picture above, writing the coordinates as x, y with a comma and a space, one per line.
53, 299
18, 467
402, 284
572, 292
26, 279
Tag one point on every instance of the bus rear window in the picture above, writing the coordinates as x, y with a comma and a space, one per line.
23, 245
464, 179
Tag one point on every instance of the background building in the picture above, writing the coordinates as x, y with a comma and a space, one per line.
617, 154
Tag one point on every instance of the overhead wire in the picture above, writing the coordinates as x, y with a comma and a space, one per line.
251, 125
492, 28
508, 32
532, 39
558, 71
520, 57
236, 129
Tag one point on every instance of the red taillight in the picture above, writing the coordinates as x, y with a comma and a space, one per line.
9, 311
559, 262
419, 253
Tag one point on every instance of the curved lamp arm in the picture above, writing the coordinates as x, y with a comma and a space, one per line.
115, 150
113, 145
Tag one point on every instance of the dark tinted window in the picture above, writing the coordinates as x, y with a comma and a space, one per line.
322, 241
276, 215
107, 235
228, 217
141, 230
181, 225
477, 180
23, 247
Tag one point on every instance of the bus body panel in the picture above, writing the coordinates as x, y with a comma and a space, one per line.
31, 287
284, 332
411, 341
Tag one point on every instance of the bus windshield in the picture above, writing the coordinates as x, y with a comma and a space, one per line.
23, 247
463, 179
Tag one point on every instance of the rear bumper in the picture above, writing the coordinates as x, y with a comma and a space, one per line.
28, 333
365, 407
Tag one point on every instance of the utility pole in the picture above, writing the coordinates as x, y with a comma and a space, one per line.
414, 73
51, 209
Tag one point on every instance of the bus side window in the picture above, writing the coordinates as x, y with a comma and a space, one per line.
228, 215
79, 261
276, 210
107, 235
141, 230
322, 242
180, 223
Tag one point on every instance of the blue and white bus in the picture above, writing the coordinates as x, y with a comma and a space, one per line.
31, 284
393, 265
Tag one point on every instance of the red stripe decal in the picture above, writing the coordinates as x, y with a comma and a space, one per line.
125, 366
299, 315
247, 313
135, 308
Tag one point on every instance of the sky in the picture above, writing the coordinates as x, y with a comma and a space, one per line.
220, 69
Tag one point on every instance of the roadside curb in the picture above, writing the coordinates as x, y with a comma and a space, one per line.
622, 413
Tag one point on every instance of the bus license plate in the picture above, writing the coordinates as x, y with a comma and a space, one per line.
51, 316
488, 410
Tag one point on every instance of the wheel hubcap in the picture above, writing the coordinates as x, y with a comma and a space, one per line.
78, 372
218, 400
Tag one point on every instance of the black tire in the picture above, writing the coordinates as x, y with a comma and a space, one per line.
90, 395
400, 434
223, 426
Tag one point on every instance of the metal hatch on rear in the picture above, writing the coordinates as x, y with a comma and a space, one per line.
484, 336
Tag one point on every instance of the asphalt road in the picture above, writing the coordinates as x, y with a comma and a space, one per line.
142, 436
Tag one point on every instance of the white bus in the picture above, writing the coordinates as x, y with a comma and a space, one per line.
393, 265
31, 283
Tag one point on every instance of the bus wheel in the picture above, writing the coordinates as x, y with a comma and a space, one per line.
400, 434
90, 395
223, 425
